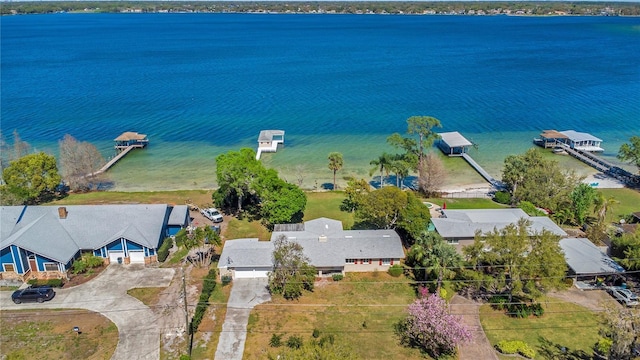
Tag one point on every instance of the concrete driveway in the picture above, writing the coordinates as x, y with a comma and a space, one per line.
139, 336
245, 294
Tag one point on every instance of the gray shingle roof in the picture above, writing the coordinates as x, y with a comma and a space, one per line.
583, 257
336, 246
465, 223
178, 214
87, 227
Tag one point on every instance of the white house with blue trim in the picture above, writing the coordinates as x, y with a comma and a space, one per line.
43, 241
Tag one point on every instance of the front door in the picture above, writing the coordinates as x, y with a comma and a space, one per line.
32, 263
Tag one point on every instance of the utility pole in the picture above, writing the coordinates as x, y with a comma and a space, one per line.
186, 312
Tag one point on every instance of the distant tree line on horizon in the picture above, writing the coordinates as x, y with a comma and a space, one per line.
378, 7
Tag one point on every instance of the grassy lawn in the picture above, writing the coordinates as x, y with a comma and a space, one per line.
238, 229
149, 296
49, 334
563, 324
629, 201
198, 197
206, 339
327, 204
360, 311
467, 203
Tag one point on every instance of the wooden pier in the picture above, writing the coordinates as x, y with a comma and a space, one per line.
602, 165
126, 142
494, 182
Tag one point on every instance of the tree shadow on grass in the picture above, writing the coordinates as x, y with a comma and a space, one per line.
550, 350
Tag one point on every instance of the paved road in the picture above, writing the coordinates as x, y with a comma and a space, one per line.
245, 294
479, 347
139, 336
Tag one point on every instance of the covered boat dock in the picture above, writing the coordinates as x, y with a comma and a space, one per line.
453, 143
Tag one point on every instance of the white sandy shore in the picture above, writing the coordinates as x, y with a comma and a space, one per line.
602, 181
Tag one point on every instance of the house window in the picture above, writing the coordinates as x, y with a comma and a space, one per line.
452, 241
386, 261
9, 267
366, 261
351, 261
50, 267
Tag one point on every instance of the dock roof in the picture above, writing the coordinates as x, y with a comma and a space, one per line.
553, 134
455, 139
130, 135
579, 136
267, 135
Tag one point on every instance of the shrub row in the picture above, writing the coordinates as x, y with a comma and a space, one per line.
86, 263
163, 250
519, 310
48, 282
208, 285
337, 277
516, 347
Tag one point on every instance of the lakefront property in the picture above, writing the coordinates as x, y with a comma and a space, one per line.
43, 241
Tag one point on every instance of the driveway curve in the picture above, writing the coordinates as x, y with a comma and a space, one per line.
245, 294
138, 333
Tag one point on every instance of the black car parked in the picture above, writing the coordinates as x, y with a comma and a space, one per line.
39, 294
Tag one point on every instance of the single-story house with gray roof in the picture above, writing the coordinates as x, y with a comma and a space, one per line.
586, 260
43, 241
329, 247
459, 227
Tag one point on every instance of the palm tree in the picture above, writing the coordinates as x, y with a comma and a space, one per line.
335, 163
383, 163
432, 257
602, 205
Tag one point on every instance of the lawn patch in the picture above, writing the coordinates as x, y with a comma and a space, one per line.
149, 296
467, 203
327, 204
198, 197
565, 324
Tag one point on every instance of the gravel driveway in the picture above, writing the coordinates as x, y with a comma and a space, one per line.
139, 335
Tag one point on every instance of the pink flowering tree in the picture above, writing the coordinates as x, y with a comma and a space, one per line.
431, 328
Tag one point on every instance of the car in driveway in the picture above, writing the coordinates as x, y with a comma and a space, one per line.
33, 294
212, 214
625, 296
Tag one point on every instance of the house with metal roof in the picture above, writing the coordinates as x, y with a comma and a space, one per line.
43, 241
459, 227
586, 260
329, 247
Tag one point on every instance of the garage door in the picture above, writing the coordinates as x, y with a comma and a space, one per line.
251, 273
136, 257
114, 255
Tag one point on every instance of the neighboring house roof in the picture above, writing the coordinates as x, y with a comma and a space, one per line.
178, 214
454, 139
583, 257
40, 229
465, 223
579, 136
323, 241
246, 253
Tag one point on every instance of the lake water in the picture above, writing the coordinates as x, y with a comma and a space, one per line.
203, 84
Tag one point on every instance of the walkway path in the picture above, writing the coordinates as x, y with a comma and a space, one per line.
479, 347
245, 294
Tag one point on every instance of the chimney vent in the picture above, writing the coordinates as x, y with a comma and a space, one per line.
62, 212
322, 238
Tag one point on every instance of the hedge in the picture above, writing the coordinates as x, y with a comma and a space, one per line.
163, 250
49, 282
516, 347
395, 270
208, 285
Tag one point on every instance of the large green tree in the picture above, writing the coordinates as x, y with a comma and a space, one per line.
631, 152
423, 126
382, 208
522, 264
292, 272
582, 199
355, 193
236, 173
335, 164
432, 259
280, 202
541, 181
32, 178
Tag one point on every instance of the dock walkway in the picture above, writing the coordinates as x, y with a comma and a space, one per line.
114, 160
602, 165
495, 183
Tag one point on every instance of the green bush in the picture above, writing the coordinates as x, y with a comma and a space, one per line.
603, 346
86, 263
294, 342
163, 250
48, 282
208, 285
498, 302
316, 333
502, 197
395, 270
326, 339
337, 277
94, 261
226, 280
516, 347
276, 340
